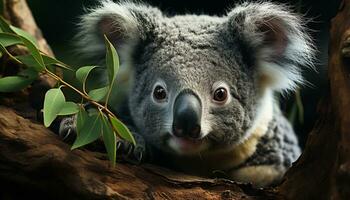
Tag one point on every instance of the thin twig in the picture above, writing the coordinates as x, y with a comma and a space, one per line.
98, 105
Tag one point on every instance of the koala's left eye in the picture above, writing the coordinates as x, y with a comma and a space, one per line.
220, 95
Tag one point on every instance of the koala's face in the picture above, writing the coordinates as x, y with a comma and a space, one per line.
201, 83
192, 90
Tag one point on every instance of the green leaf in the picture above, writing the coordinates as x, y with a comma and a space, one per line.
81, 118
109, 140
112, 61
53, 104
24, 34
8, 39
4, 50
93, 111
90, 131
4, 25
7, 28
83, 72
121, 129
34, 52
52, 61
14, 83
99, 93
29, 73
29, 61
69, 108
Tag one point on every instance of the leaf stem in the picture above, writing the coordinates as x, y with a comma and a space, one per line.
98, 105
109, 93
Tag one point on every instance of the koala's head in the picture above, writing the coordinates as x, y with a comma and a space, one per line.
201, 82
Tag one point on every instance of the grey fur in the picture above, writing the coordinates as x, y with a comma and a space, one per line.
278, 147
254, 41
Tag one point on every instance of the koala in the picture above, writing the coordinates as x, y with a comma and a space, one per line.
201, 98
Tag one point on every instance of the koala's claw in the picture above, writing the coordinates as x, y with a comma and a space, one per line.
126, 151
64, 136
129, 153
138, 154
67, 128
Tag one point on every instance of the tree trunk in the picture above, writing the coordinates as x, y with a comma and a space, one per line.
35, 163
323, 170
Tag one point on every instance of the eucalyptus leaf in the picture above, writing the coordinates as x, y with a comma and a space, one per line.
29, 61
53, 104
83, 72
34, 52
112, 61
69, 108
121, 129
14, 83
109, 140
81, 118
52, 61
99, 93
29, 73
4, 25
90, 131
4, 50
8, 39
93, 111
24, 34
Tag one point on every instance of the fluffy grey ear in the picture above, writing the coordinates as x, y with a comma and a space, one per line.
125, 24
278, 39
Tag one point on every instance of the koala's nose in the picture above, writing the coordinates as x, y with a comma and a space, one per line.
187, 116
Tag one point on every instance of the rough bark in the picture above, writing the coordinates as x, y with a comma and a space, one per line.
33, 157
36, 163
323, 170
18, 14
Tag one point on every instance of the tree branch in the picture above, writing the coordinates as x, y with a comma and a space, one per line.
32, 156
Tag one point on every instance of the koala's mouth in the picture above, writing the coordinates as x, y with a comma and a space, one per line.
187, 145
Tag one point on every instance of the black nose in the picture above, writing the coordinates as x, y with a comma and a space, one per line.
187, 116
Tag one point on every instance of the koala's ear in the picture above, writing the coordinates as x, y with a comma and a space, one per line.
278, 40
124, 24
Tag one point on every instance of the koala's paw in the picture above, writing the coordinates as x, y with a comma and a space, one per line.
67, 130
126, 151
133, 154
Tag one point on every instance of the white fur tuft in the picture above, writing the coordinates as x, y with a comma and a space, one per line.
89, 39
284, 70
264, 114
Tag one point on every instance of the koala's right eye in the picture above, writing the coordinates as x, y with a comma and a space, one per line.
159, 93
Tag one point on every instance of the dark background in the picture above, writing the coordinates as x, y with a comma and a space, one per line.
57, 20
